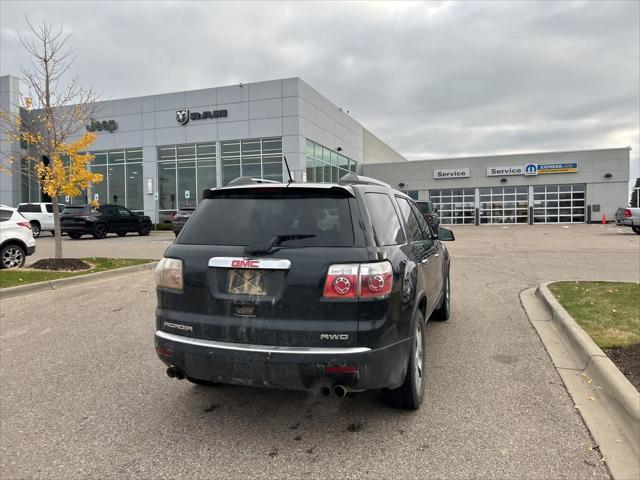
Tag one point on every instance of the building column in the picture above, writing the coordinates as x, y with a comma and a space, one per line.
150, 172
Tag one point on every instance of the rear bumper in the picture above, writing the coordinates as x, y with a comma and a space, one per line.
290, 368
31, 250
627, 222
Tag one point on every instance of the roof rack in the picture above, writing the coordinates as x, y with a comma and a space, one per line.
249, 180
352, 178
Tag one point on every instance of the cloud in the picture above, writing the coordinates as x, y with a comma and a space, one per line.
431, 79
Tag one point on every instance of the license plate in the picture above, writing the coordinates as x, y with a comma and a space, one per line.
247, 282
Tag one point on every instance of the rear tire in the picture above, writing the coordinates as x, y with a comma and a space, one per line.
443, 312
144, 230
410, 394
12, 256
35, 229
99, 231
636, 229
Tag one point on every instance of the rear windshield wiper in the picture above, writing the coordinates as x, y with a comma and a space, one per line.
251, 250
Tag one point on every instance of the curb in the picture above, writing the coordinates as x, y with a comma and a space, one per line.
607, 401
12, 292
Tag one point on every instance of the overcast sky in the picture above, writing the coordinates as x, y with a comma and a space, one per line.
433, 79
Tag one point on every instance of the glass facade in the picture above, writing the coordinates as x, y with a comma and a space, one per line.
184, 171
325, 165
258, 158
29, 186
504, 204
559, 203
122, 178
455, 205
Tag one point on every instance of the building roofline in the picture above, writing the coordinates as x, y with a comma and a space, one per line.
544, 152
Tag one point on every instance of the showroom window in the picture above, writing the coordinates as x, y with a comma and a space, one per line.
184, 172
454, 205
504, 204
29, 182
258, 158
325, 165
559, 203
121, 178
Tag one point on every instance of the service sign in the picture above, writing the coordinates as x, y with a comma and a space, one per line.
443, 173
504, 171
557, 168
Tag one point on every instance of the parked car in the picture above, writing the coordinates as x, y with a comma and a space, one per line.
78, 220
181, 217
40, 215
429, 212
323, 287
16, 238
629, 217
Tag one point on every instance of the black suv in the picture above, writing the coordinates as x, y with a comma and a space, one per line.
304, 286
181, 217
78, 220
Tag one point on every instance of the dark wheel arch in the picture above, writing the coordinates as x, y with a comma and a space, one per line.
36, 228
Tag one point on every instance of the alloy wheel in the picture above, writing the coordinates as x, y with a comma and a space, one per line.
13, 257
419, 358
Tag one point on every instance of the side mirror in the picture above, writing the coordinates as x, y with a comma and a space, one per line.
445, 235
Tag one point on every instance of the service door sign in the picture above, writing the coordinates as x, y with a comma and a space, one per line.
96, 197
443, 173
187, 194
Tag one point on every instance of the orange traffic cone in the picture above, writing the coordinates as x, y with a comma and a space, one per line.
604, 219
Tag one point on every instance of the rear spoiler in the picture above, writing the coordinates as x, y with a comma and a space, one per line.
318, 189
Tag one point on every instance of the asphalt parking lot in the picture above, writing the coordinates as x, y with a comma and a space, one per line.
129, 246
82, 394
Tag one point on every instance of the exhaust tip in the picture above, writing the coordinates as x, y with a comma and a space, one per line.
325, 391
171, 372
340, 391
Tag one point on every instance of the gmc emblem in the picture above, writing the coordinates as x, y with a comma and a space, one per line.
245, 263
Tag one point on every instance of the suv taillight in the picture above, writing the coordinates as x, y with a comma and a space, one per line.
24, 224
366, 280
168, 274
627, 213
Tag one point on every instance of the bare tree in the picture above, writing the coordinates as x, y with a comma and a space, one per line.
50, 119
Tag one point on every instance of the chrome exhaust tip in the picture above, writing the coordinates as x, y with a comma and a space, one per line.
325, 391
340, 391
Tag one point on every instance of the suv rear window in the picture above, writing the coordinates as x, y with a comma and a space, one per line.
257, 218
5, 215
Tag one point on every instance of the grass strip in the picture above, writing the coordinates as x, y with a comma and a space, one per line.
608, 311
24, 276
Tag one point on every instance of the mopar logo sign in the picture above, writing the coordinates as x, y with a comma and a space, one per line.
531, 169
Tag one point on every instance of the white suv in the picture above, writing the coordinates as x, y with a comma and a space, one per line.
16, 238
40, 215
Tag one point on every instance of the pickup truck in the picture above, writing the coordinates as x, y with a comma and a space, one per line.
40, 216
629, 217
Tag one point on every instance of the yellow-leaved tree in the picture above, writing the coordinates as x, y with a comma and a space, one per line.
49, 122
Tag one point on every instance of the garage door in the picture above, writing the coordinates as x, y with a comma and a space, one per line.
455, 205
504, 204
558, 203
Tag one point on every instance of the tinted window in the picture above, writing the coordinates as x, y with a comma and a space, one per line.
386, 224
256, 218
424, 226
123, 212
49, 208
413, 229
425, 207
29, 208
5, 215
80, 210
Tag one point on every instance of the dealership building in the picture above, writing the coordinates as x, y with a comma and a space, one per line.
157, 153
